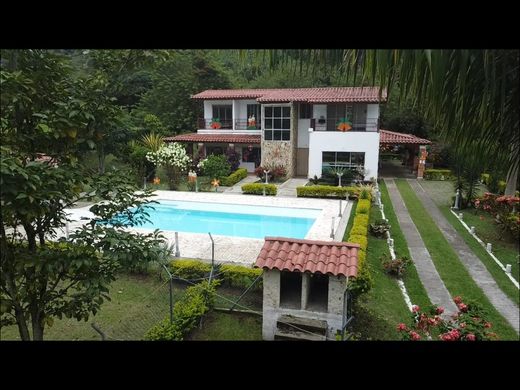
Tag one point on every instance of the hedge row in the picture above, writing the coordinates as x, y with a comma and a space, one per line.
320, 191
195, 302
359, 235
230, 275
258, 189
234, 178
438, 174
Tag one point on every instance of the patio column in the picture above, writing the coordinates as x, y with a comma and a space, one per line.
422, 161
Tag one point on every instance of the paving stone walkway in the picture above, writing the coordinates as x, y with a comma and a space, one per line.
432, 282
237, 188
288, 188
477, 270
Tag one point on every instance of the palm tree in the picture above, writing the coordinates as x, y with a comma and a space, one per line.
471, 95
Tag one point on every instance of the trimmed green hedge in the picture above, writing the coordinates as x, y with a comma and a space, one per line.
234, 178
258, 189
438, 174
363, 206
232, 275
195, 302
319, 191
359, 235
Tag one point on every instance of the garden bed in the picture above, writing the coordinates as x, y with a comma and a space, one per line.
219, 325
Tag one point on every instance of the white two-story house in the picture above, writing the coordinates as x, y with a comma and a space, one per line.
306, 130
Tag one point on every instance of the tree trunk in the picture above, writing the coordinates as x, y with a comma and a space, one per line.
22, 325
101, 158
512, 178
37, 326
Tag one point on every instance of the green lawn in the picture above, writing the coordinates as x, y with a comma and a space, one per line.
455, 276
505, 248
411, 280
500, 277
350, 220
138, 302
218, 325
378, 312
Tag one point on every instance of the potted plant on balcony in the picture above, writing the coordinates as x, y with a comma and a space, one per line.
251, 123
215, 123
343, 124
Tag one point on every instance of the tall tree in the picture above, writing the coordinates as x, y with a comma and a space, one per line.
43, 111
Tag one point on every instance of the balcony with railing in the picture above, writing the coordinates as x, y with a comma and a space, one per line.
339, 124
241, 126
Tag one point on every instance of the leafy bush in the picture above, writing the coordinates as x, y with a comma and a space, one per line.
195, 302
358, 230
438, 174
379, 228
359, 239
190, 269
276, 172
361, 219
320, 191
215, 166
232, 275
395, 267
240, 276
505, 209
365, 191
314, 180
468, 324
363, 206
258, 188
234, 178
233, 158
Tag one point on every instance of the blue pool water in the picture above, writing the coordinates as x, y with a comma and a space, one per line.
231, 219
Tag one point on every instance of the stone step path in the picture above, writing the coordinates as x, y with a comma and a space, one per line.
237, 188
288, 187
476, 269
432, 282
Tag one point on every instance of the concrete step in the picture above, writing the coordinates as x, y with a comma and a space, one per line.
297, 335
311, 325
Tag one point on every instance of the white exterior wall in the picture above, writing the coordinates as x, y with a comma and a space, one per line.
337, 141
208, 109
241, 112
303, 132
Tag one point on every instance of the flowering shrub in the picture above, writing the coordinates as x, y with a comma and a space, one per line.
215, 166
468, 324
379, 228
175, 160
275, 172
395, 267
504, 208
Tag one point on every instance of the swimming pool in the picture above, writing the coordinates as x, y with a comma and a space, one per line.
231, 219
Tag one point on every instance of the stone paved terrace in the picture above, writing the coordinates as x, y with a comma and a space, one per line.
237, 249
288, 188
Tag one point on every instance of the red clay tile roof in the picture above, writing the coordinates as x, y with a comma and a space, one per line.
310, 95
326, 257
209, 138
391, 137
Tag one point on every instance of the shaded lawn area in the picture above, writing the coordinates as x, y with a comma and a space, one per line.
138, 302
454, 274
505, 248
218, 325
378, 312
411, 280
350, 220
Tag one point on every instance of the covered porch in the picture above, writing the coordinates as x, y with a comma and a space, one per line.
247, 146
402, 155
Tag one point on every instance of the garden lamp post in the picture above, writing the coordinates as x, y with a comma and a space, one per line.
266, 176
339, 177
457, 200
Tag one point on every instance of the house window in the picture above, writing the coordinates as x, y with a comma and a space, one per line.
291, 289
305, 111
251, 154
342, 160
277, 123
223, 112
256, 111
216, 150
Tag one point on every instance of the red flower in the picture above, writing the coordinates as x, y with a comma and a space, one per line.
455, 334
401, 327
446, 337
415, 308
488, 325
439, 310
471, 337
415, 336
463, 307
463, 325
457, 299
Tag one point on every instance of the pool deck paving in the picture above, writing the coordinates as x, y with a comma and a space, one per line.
475, 267
229, 248
288, 187
237, 188
430, 278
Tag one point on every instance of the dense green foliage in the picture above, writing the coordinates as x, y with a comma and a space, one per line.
234, 178
319, 191
258, 189
438, 174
